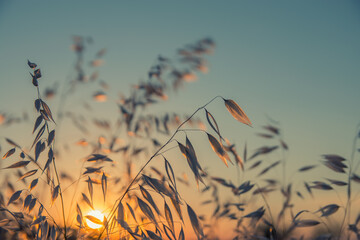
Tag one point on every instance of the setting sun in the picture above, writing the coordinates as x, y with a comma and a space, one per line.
93, 218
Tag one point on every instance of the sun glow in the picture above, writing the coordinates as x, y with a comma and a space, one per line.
96, 214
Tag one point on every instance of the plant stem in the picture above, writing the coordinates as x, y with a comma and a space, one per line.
348, 202
115, 206
56, 174
62, 200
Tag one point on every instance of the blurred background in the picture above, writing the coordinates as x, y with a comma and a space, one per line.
290, 63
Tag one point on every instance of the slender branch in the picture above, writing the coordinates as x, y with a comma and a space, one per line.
351, 162
56, 173
115, 206
165, 151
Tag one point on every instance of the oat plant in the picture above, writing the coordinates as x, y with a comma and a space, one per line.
127, 185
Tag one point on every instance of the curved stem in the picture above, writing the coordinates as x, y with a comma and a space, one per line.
351, 162
56, 174
192, 130
115, 206
62, 200
169, 149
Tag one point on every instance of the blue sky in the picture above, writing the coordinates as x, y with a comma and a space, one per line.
296, 61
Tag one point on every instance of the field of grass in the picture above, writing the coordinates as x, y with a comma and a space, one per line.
124, 182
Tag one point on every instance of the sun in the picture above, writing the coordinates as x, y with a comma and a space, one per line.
98, 215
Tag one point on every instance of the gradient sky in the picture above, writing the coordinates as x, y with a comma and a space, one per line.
296, 61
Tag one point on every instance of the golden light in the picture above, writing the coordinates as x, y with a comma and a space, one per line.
100, 97
96, 214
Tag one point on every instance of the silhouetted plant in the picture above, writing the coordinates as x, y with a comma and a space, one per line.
146, 203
